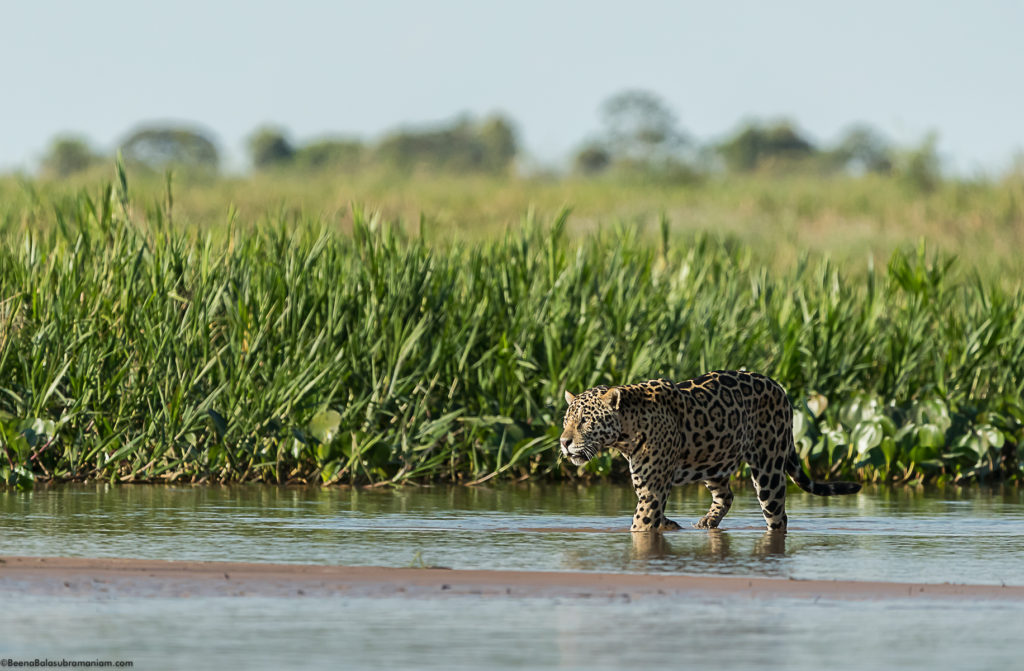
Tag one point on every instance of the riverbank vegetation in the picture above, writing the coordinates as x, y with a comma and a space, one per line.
237, 330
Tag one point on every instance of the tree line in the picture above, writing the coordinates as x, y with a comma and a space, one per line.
639, 136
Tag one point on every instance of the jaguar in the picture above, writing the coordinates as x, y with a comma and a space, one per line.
699, 430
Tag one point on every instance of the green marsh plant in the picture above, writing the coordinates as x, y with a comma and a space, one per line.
291, 352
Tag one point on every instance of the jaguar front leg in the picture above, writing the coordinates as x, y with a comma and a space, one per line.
650, 516
650, 507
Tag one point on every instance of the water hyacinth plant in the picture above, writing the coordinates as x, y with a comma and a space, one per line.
289, 351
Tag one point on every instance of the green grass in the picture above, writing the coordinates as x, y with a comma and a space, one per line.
779, 217
283, 347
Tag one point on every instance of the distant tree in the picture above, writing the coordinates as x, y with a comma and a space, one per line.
330, 154
446, 148
742, 151
269, 148
592, 158
462, 147
67, 155
757, 146
920, 167
160, 147
640, 128
500, 144
863, 149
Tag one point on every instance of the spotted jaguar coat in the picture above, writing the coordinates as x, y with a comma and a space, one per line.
697, 430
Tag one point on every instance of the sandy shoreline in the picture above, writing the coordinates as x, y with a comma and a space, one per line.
146, 578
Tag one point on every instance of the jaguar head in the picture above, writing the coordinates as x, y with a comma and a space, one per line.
592, 422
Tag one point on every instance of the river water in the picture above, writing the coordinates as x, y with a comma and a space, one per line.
960, 536
975, 536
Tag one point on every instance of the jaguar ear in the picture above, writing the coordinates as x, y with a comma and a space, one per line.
613, 397
569, 398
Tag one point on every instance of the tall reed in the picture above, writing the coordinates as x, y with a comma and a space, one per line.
289, 352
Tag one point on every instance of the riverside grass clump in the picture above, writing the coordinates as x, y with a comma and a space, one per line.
131, 350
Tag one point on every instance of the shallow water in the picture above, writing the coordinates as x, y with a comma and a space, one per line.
937, 536
975, 536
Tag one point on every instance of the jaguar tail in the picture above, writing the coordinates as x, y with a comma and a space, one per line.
804, 482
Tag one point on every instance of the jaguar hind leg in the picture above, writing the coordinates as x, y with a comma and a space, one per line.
721, 501
770, 484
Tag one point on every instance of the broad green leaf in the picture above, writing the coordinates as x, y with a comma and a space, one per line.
799, 425
329, 470
849, 412
31, 438
324, 425
933, 411
220, 425
44, 427
817, 404
835, 436
859, 409
803, 447
888, 426
991, 435
866, 436
888, 447
930, 435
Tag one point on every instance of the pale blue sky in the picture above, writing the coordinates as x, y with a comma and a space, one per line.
99, 68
